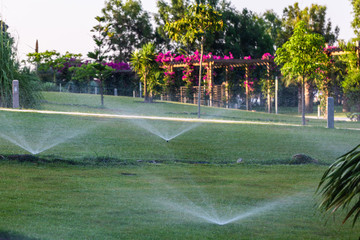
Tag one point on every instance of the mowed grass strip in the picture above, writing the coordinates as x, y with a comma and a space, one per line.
67, 202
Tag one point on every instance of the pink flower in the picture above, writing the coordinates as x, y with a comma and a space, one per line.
267, 56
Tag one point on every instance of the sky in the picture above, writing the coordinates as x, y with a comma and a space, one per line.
64, 25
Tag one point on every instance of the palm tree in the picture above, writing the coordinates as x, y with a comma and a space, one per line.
144, 64
341, 185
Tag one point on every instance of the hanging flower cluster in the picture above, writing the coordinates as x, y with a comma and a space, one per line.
118, 65
164, 59
73, 62
189, 61
267, 56
331, 48
68, 63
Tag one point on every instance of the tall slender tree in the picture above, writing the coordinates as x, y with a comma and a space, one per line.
197, 21
99, 55
315, 20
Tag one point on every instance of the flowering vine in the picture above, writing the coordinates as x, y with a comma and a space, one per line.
188, 72
249, 85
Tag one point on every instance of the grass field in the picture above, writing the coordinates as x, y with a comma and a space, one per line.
108, 178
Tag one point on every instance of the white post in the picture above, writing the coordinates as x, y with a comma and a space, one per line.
330, 112
140, 90
60, 87
96, 90
115, 92
276, 94
15, 92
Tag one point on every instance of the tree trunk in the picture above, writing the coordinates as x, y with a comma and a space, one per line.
299, 98
268, 87
358, 112
200, 69
150, 97
303, 101
309, 98
346, 106
101, 93
146, 95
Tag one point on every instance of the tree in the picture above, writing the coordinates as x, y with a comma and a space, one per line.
356, 21
244, 34
130, 26
144, 64
300, 57
351, 82
273, 25
54, 63
45, 63
339, 185
99, 55
197, 21
315, 19
168, 12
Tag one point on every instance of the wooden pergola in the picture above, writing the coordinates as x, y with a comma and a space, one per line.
338, 51
211, 64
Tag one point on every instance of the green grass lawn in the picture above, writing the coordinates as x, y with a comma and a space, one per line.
104, 178
163, 202
127, 105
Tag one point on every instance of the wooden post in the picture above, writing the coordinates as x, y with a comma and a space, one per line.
247, 86
210, 87
358, 52
227, 87
276, 94
268, 87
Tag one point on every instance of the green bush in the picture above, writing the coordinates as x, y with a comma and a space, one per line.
11, 70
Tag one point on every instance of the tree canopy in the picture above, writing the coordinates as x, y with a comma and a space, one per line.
314, 18
356, 18
130, 26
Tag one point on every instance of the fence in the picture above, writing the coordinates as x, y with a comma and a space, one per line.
287, 100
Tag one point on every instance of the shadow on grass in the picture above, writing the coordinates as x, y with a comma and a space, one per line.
73, 105
110, 161
6, 235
